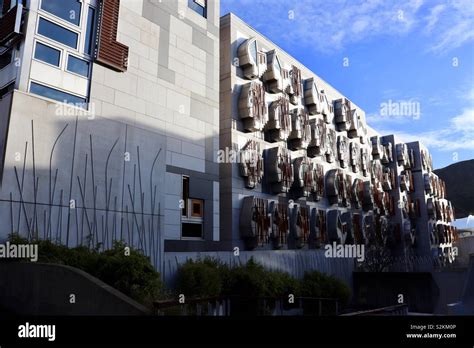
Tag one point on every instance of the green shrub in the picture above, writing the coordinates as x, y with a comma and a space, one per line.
281, 284
131, 274
316, 284
200, 278
247, 280
253, 280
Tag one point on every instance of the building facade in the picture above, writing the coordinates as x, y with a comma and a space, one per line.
162, 125
109, 122
310, 171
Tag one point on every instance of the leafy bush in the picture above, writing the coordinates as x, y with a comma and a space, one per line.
281, 284
200, 278
316, 284
210, 277
253, 280
131, 274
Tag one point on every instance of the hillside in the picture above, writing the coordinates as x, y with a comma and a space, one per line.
459, 178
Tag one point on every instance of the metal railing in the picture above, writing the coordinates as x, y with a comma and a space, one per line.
400, 309
241, 305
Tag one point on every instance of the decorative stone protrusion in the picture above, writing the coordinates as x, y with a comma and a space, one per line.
252, 106
251, 60
295, 89
254, 222
300, 135
280, 225
343, 151
279, 169
299, 225
335, 228
354, 150
273, 75
278, 127
251, 164
312, 97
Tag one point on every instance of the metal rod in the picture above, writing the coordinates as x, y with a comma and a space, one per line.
70, 181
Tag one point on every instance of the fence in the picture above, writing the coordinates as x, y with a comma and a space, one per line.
247, 306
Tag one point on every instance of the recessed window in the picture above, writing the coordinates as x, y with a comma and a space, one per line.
78, 66
69, 10
197, 208
47, 54
184, 210
55, 94
89, 44
199, 6
191, 230
57, 33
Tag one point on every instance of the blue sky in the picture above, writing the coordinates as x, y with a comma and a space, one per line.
420, 52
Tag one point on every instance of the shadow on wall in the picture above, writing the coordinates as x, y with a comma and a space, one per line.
83, 181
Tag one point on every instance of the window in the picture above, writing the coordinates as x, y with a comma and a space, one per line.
69, 10
5, 59
47, 54
78, 66
184, 211
192, 213
57, 33
196, 208
55, 94
253, 51
89, 44
192, 230
199, 6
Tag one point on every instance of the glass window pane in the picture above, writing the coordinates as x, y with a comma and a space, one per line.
69, 10
197, 8
78, 66
54, 94
90, 32
47, 54
253, 51
57, 33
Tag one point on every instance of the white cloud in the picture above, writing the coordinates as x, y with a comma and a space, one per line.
433, 17
458, 134
451, 26
332, 25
